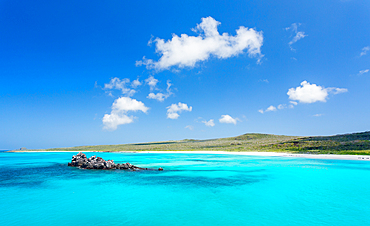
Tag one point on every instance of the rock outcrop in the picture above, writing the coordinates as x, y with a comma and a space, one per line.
80, 160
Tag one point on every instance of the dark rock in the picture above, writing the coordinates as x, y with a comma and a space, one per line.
80, 160
123, 166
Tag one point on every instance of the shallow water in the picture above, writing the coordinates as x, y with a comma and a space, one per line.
194, 189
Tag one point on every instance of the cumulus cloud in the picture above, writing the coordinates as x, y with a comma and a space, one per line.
136, 83
185, 51
227, 119
120, 109
210, 123
111, 121
161, 96
364, 50
116, 83
297, 34
311, 93
158, 96
174, 110
306, 93
152, 82
271, 108
363, 71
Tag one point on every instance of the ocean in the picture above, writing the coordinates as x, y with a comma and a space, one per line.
193, 189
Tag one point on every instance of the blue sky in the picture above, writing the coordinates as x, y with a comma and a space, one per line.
92, 72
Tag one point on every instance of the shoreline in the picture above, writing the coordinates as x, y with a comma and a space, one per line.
267, 154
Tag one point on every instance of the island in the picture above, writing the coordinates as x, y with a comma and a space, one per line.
81, 161
343, 144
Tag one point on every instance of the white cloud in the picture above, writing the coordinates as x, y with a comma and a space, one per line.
227, 119
311, 93
136, 83
161, 96
363, 71
96, 85
169, 87
271, 108
172, 115
109, 93
281, 106
139, 63
264, 80
158, 96
111, 121
292, 104
298, 34
174, 110
210, 123
186, 51
116, 83
306, 93
120, 108
189, 127
337, 90
125, 104
364, 50
317, 115
152, 82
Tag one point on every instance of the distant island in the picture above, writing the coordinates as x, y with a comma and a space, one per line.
344, 144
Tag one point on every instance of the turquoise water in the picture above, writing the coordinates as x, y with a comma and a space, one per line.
194, 189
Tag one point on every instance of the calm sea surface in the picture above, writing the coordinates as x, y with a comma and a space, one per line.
194, 189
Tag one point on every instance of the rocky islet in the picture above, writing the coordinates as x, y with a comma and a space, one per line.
81, 161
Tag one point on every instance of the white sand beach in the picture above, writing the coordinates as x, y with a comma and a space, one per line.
272, 154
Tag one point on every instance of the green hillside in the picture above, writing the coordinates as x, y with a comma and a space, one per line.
355, 143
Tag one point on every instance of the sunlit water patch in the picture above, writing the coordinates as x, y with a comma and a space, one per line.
193, 189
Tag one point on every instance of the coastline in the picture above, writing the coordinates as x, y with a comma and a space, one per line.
267, 154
